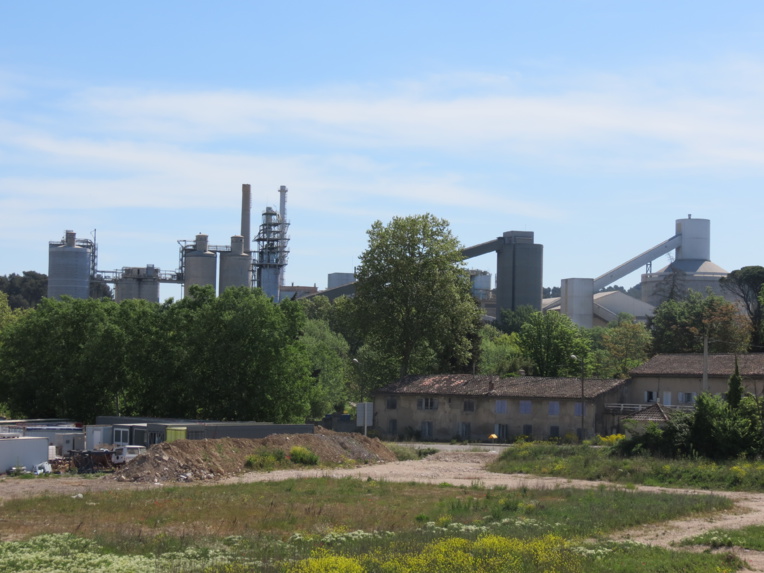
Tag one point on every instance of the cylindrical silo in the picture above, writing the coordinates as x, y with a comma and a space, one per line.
235, 265
577, 301
200, 265
696, 239
138, 282
69, 268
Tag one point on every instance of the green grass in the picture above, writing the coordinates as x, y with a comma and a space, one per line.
407, 453
751, 537
596, 463
265, 525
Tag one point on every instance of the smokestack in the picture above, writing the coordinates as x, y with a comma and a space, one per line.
246, 215
284, 224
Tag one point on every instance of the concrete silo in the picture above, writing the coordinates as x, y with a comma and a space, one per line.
137, 282
235, 265
519, 269
691, 269
199, 265
69, 266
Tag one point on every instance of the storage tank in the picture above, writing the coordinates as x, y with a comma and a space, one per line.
577, 302
69, 267
519, 271
200, 265
235, 265
481, 284
691, 270
138, 282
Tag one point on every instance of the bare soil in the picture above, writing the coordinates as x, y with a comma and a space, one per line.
222, 461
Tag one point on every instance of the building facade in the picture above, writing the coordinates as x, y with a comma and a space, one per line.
470, 407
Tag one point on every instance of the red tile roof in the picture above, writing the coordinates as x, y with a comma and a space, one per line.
520, 387
654, 413
719, 365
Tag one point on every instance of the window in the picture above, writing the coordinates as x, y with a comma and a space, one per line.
469, 405
525, 406
501, 406
686, 397
501, 430
528, 430
427, 404
426, 430
667, 398
464, 430
578, 409
554, 431
649, 396
121, 436
392, 427
392, 403
554, 408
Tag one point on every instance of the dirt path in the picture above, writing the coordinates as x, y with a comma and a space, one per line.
457, 468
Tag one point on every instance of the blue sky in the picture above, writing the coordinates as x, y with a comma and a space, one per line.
595, 124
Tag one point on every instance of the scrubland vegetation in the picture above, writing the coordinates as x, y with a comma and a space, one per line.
325, 525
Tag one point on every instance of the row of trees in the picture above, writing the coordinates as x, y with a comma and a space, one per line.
233, 357
239, 356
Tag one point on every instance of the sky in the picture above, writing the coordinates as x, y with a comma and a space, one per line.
594, 124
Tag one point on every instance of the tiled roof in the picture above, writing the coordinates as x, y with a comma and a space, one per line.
654, 413
521, 387
719, 365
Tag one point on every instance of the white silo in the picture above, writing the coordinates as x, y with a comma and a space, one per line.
69, 263
199, 265
692, 268
235, 265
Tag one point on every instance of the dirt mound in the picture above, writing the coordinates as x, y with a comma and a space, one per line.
191, 460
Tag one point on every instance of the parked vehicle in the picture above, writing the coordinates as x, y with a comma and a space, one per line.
124, 454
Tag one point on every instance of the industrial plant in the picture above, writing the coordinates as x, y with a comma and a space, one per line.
260, 261
73, 262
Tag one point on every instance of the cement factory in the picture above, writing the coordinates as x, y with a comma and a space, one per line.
73, 262
73, 267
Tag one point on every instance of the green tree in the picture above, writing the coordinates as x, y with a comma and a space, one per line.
500, 353
330, 363
746, 284
682, 326
512, 320
627, 345
413, 292
63, 359
735, 390
549, 340
234, 357
25, 290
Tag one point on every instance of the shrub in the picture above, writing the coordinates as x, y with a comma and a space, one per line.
302, 455
265, 460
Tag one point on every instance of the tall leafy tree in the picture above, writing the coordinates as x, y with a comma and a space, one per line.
626, 343
746, 284
500, 353
25, 290
413, 292
331, 366
550, 340
682, 326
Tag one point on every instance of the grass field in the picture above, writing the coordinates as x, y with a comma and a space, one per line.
596, 463
325, 524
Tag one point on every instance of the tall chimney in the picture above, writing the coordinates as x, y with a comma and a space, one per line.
246, 215
283, 231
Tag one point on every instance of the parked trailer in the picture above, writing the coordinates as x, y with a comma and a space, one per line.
22, 452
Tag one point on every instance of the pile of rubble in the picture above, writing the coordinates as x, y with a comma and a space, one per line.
192, 460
